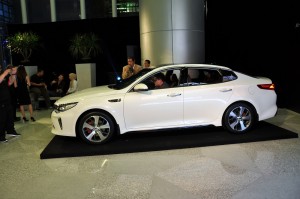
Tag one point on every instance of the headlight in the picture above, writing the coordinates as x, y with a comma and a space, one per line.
64, 107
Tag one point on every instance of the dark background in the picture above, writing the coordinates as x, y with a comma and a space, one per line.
254, 37
115, 34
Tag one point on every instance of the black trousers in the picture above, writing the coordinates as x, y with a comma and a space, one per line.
14, 100
6, 119
41, 91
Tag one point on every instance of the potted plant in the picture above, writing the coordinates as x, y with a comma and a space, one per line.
85, 46
24, 44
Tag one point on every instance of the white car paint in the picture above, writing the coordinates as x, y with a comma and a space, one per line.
166, 108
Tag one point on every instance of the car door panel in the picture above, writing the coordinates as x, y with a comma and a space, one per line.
159, 108
205, 103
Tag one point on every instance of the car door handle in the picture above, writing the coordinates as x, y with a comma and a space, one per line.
174, 94
226, 90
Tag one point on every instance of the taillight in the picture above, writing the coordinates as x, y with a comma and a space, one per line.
266, 86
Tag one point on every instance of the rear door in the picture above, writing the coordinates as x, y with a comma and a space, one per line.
205, 98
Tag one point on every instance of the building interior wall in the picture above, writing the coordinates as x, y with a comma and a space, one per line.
258, 39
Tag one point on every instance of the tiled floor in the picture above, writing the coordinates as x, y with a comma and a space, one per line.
268, 169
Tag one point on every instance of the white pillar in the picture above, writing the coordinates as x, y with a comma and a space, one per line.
53, 10
172, 31
82, 9
114, 8
24, 11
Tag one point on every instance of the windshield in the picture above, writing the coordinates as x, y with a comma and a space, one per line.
123, 83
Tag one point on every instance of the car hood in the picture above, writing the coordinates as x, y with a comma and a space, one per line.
87, 93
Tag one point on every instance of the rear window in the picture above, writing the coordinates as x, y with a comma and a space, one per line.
228, 75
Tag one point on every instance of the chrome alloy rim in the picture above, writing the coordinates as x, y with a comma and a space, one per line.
96, 128
239, 118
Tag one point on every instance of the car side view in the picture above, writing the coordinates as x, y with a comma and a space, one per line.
173, 96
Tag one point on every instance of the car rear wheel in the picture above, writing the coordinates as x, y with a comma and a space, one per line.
239, 118
96, 128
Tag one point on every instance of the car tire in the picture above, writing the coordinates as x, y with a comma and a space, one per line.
239, 118
96, 127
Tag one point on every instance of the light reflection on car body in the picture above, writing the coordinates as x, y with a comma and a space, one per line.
231, 99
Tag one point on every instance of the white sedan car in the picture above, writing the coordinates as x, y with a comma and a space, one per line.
191, 95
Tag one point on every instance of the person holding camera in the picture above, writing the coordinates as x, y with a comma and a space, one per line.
7, 78
131, 68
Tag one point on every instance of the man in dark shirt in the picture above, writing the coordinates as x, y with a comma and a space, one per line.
159, 81
38, 87
6, 110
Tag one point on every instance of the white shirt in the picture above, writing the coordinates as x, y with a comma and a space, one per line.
73, 87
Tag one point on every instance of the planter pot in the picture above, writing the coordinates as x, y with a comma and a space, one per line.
86, 75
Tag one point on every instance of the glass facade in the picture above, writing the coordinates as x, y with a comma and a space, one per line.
67, 10
98, 9
39, 11
6, 16
127, 7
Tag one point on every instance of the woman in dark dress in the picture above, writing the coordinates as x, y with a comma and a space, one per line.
23, 84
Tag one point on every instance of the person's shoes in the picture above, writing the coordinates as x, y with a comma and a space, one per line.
14, 134
17, 119
4, 140
32, 119
25, 119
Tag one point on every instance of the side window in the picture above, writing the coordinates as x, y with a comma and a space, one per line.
149, 82
202, 76
163, 79
190, 77
172, 77
194, 77
212, 77
228, 75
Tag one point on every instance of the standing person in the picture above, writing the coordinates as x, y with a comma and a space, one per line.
23, 93
73, 87
147, 63
131, 68
13, 95
38, 87
6, 111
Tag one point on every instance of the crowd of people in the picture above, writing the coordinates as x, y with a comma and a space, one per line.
18, 90
159, 80
7, 79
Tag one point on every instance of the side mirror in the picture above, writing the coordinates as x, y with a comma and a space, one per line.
140, 87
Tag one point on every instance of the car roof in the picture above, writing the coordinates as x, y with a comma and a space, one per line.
211, 66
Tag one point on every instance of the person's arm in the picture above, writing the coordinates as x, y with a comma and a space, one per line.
28, 81
4, 74
73, 87
39, 85
75, 84
12, 81
33, 81
125, 72
138, 68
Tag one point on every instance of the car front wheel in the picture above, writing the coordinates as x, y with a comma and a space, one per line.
239, 118
96, 128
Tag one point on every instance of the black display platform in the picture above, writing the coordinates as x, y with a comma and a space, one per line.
162, 140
